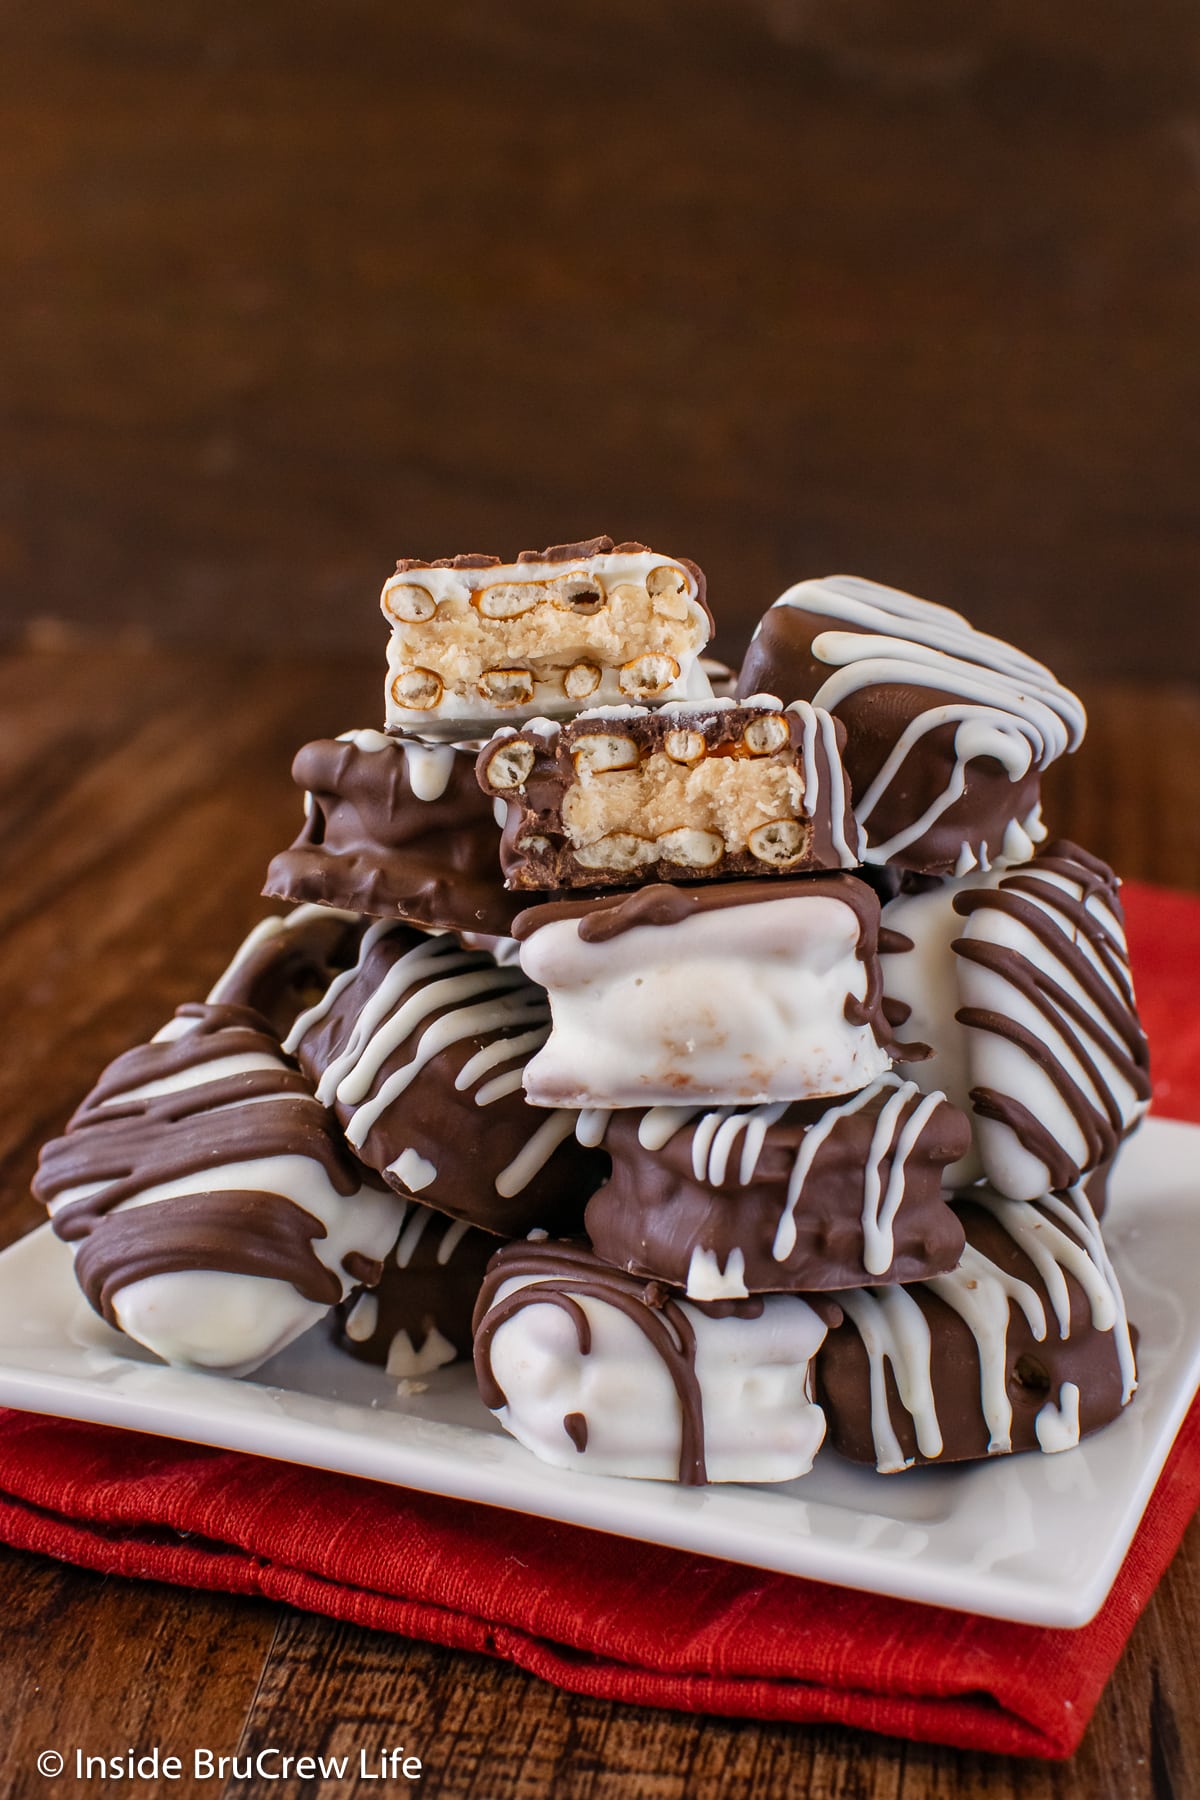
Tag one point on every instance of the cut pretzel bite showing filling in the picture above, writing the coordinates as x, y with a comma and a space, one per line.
622, 795
478, 640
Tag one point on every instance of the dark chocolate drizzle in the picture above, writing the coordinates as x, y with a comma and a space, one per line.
563, 1273
898, 1012
365, 1270
123, 1147
662, 904
234, 1231
576, 1427
606, 916
1109, 1023
222, 1030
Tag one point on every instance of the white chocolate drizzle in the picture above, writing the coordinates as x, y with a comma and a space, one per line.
555, 1128
410, 1237
895, 1333
417, 1221
981, 1294
1008, 706
430, 767
714, 1138
1075, 1210
819, 723
473, 999
405, 1360
1057, 1427
715, 1143
362, 1318
456, 1230
707, 1280
368, 740
413, 1169
879, 1204
591, 1123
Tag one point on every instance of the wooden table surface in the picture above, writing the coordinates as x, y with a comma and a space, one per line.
140, 799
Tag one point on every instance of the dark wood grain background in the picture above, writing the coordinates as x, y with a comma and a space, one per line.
909, 287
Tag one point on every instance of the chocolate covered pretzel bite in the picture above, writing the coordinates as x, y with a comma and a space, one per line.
477, 641
813, 1195
395, 828
730, 992
1024, 1346
948, 730
213, 1208
419, 1045
622, 795
417, 1317
597, 1370
1019, 982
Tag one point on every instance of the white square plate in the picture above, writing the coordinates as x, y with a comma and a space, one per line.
1033, 1538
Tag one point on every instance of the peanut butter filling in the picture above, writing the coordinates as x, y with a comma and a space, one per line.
691, 813
496, 643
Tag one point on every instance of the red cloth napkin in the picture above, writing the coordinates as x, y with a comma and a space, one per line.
600, 1615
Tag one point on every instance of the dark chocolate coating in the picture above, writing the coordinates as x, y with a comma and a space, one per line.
1096, 1186
288, 970
1035, 1372
425, 1294
780, 661
536, 852
468, 1144
654, 1210
371, 845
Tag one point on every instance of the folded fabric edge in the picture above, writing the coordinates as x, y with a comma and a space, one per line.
159, 1543
965, 1722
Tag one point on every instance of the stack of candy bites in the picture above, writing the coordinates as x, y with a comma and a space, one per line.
731, 1072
